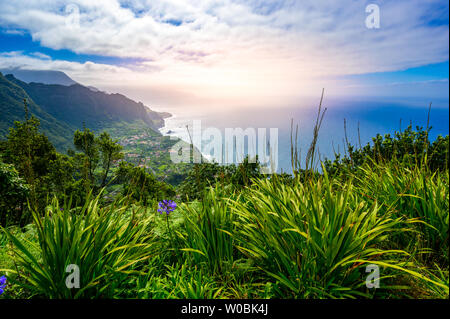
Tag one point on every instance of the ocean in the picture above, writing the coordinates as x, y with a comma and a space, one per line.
383, 116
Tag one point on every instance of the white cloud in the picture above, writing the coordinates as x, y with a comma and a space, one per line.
234, 47
85, 73
40, 55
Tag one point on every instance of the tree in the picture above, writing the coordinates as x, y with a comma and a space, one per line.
204, 175
13, 194
201, 176
31, 154
29, 150
409, 147
86, 142
141, 185
61, 174
246, 171
111, 151
95, 150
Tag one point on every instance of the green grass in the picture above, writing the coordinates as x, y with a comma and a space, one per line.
413, 193
274, 239
315, 238
105, 243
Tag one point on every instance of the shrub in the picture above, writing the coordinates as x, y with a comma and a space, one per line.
13, 194
316, 238
415, 193
105, 243
205, 233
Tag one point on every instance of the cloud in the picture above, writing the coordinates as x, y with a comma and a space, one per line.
40, 55
86, 73
236, 47
14, 32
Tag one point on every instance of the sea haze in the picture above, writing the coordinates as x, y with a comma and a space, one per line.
373, 117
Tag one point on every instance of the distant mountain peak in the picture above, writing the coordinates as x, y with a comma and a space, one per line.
40, 76
94, 89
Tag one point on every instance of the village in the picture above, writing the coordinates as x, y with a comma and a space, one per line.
151, 152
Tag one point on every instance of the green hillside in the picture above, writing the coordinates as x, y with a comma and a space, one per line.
12, 109
77, 104
40, 76
64, 109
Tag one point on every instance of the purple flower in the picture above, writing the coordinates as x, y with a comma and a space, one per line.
2, 284
166, 206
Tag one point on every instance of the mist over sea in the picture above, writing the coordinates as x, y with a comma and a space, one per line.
381, 116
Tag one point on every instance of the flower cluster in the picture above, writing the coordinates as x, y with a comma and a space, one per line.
166, 206
2, 284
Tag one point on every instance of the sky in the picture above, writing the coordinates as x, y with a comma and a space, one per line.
233, 52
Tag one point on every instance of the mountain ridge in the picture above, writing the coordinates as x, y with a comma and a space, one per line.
12, 109
40, 76
63, 109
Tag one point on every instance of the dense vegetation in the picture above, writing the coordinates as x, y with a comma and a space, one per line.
234, 233
63, 109
11, 108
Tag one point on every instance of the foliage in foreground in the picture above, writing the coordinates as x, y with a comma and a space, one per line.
238, 234
32, 172
315, 239
105, 243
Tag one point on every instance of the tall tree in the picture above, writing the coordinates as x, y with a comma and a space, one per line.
85, 142
29, 150
31, 153
111, 151
141, 185
13, 194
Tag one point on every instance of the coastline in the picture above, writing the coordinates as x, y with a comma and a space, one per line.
175, 128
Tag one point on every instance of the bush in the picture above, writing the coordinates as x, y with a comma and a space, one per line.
106, 244
414, 193
205, 234
409, 148
13, 194
316, 238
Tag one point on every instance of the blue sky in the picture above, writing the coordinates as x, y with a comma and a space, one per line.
25, 44
203, 51
437, 71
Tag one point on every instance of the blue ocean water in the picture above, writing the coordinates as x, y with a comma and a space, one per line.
372, 117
